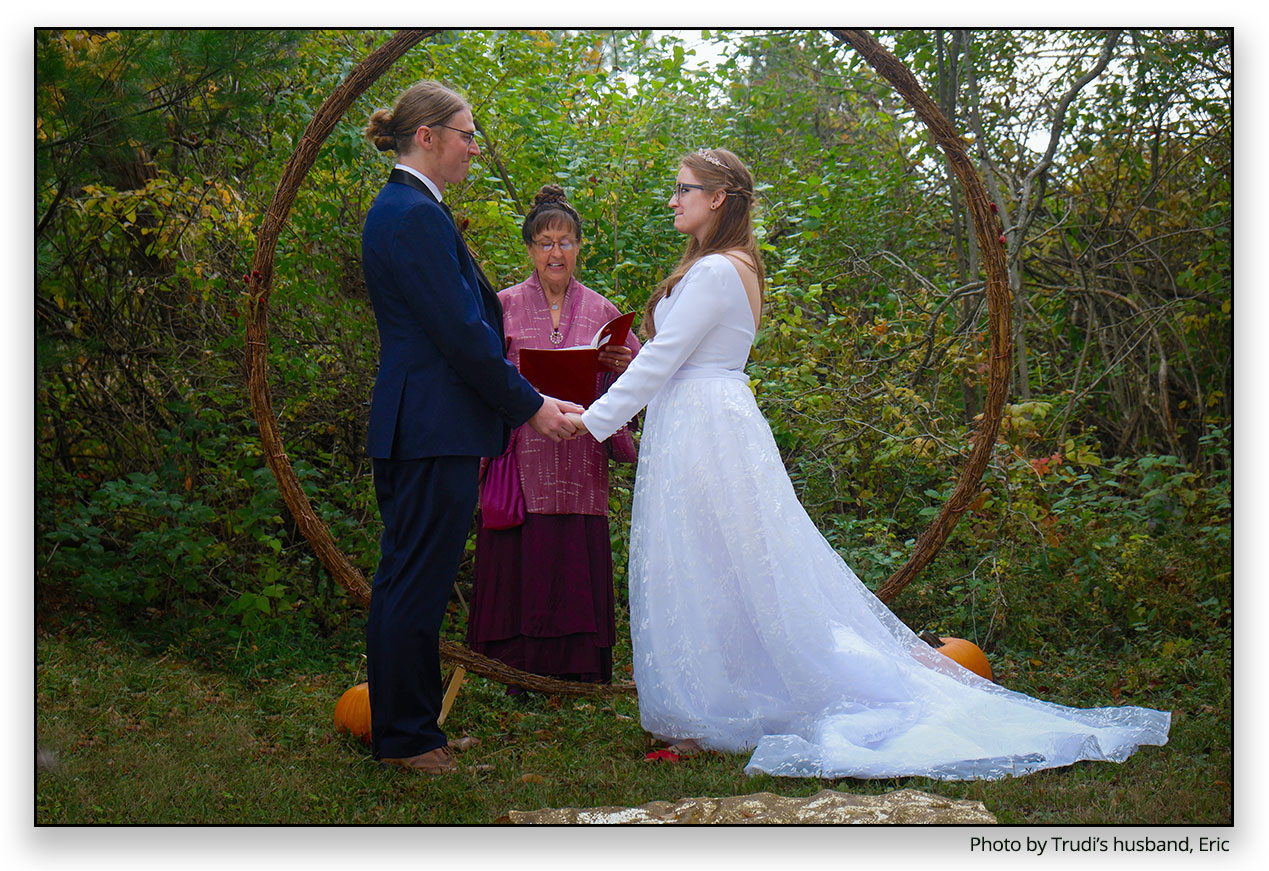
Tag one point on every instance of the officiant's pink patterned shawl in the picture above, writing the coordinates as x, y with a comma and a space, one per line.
567, 477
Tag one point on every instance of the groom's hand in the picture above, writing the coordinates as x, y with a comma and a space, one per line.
550, 419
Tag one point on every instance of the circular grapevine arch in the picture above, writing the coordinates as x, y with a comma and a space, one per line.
260, 284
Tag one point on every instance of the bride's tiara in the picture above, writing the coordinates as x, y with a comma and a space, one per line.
709, 158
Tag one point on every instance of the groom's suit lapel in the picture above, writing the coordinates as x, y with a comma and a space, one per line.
486, 289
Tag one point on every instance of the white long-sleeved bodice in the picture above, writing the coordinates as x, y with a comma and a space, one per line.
704, 326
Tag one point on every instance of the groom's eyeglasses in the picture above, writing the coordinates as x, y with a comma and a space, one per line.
468, 135
681, 189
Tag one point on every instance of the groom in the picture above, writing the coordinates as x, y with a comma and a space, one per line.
444, 397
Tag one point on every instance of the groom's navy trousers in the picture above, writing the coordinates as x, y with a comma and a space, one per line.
445, 395
426, 506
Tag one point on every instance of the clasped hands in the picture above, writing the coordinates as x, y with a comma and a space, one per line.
558, 419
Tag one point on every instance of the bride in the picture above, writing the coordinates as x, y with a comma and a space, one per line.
749, 631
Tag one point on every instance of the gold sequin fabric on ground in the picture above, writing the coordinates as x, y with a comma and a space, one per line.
826, 807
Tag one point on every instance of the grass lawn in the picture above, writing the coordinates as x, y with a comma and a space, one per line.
161, 726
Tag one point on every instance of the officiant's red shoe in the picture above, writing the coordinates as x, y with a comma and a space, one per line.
437, 761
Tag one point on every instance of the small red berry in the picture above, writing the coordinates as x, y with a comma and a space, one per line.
1003, 240
994, 209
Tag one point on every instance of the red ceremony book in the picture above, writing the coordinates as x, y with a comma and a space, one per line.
573, 373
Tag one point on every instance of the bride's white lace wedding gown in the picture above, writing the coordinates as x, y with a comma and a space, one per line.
750, 632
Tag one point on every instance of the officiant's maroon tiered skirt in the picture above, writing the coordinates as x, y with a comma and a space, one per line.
543, 597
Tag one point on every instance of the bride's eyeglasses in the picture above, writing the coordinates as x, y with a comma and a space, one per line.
564, 246
681, 189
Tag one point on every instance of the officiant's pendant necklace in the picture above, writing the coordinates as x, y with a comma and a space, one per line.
556, 336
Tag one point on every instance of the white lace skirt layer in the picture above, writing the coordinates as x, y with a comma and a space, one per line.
750, 632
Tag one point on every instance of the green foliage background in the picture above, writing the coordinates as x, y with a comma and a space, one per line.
1104, 519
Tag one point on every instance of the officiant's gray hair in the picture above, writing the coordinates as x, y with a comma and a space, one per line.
424, 104
550, 208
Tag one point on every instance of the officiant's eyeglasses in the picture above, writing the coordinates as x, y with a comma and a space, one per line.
565, 246
681, 189
468, 135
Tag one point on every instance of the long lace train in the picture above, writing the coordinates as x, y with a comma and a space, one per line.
750, 631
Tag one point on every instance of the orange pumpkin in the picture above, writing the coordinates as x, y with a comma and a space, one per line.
352, 712
965, 653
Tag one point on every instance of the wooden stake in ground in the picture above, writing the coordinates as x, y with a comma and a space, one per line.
452, 686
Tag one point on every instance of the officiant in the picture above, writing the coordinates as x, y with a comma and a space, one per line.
543, 590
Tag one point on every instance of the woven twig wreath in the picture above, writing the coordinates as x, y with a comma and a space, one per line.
260, 283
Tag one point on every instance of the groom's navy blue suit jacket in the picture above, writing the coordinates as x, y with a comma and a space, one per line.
445, 387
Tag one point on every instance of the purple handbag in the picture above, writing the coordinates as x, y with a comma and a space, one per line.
501, 496
621, 447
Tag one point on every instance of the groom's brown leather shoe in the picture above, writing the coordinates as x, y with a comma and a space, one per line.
437, 761
466, 742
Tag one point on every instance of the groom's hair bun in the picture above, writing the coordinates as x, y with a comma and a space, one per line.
550, 208
379, 130
423, 104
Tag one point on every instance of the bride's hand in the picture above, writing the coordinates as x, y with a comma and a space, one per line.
576, 421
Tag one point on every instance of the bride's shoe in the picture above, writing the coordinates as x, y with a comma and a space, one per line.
686, 747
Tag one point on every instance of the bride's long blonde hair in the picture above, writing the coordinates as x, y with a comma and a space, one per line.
716, 169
